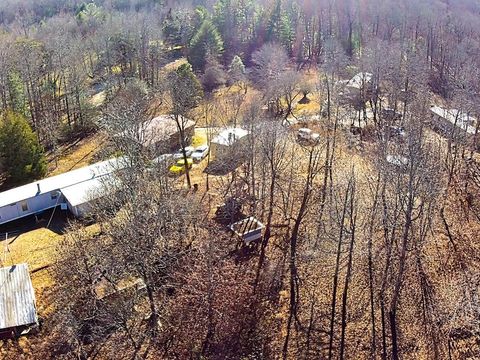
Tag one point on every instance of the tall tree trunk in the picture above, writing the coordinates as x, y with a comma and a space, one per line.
353, 221
336, 274
293, 252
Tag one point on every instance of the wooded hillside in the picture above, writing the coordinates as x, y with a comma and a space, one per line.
369, 200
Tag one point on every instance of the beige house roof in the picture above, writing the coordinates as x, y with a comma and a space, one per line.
158, 129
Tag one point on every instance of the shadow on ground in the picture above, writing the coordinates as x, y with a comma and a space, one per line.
55, 219
222, 167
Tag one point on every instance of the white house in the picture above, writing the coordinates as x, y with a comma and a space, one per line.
228, 141
73, 189
359, 81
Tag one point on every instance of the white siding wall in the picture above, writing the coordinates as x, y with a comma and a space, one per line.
35, 204
79, 211
72, 209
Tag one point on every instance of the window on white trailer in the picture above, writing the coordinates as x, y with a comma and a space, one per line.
24, 205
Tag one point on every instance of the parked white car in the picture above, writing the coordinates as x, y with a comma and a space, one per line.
163, 160
179, 154
305, 134
200, 153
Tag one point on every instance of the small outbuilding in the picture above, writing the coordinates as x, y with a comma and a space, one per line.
106, 290
230, 143
359, 85
360, 81
249, 230
18, 312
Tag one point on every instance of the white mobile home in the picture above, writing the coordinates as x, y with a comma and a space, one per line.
72, 189
447, 120
79, 197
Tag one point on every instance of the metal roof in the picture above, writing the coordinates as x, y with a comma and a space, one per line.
157, 129
229, 136
397, 160
61, 181
456, 117
92, 189
359, 80
85, 191
17, 298
246, 225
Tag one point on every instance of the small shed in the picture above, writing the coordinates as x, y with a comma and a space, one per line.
106, 290
18, 313
249, 229
398, 162
229, 142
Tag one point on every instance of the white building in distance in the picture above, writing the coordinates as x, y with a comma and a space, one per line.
447, 120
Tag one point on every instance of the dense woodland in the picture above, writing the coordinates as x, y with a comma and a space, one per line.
359, 259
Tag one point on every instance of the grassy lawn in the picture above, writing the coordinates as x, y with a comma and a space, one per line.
37, 249
76, 155
34, 247
199, 138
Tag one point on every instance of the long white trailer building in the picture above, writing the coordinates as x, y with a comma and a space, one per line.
74, 189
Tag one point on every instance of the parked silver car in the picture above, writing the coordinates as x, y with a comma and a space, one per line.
179, 154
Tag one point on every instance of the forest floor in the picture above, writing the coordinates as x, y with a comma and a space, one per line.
37, 246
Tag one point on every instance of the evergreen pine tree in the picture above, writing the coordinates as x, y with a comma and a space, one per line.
21, 154
206, 42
